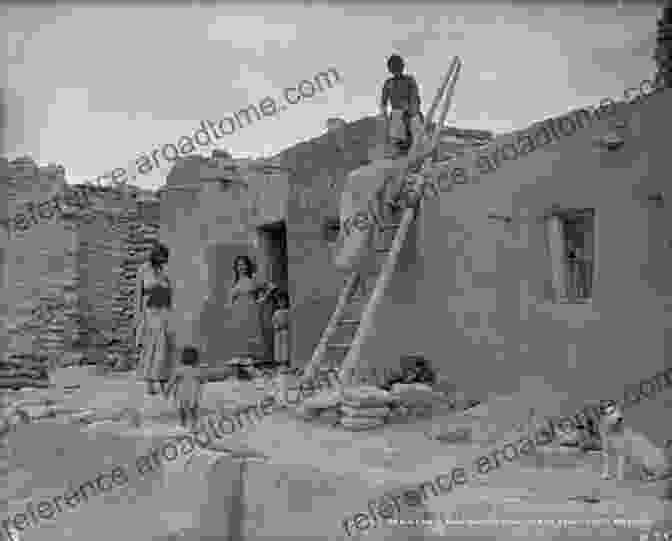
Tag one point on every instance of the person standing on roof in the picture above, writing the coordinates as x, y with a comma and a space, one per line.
401, 93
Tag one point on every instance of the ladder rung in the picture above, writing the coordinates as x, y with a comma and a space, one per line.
344, 322
339, 346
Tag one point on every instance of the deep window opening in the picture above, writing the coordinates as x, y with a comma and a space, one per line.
571, 241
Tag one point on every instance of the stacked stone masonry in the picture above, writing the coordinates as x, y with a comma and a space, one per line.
663, 53
69, 279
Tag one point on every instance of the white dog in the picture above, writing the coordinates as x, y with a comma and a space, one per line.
623, 443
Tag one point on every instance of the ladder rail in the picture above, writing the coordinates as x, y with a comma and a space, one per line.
343, 301
442, 89
420, 155
446, 105
366, 325
366, 322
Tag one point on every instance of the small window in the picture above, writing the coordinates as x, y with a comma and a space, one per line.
330, 229
571, 243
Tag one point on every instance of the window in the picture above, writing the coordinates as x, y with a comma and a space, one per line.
571, 244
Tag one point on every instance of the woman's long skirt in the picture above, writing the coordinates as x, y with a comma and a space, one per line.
281, 347
157, 354
247, 341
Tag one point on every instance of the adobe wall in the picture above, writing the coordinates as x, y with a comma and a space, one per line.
209, 211
482, 312
320, 167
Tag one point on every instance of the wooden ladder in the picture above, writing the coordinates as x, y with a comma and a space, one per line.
352, 291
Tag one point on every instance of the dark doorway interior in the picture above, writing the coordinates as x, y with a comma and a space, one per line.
273, 266
273, 253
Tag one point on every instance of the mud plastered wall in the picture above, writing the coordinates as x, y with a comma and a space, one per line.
210, 212
484, 314
319, 170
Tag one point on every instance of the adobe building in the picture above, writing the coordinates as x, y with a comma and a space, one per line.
213, 209
552, 266
282, 212
485, 288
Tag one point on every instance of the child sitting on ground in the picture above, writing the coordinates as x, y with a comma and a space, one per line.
187, 388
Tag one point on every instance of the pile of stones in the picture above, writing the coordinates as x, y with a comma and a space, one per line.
24, 370
365, 408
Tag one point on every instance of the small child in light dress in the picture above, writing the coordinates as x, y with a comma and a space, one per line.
281, 345
281, 330
187, 388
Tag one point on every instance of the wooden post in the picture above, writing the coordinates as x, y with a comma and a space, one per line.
321, 349
440, 93
366, 324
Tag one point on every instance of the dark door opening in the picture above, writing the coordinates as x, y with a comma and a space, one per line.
273, 266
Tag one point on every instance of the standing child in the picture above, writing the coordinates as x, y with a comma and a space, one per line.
401, 93
281, 330
187, 388
281, 343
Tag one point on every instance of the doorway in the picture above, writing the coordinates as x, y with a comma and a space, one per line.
273, 265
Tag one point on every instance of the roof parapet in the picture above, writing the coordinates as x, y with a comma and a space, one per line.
336, 127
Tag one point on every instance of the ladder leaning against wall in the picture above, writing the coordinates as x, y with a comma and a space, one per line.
366, 305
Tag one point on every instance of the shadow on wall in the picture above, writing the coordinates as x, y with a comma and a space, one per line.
215, 323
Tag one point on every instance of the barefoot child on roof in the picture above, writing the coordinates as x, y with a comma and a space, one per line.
401, 93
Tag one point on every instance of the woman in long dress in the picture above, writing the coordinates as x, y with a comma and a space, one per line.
153, 307
246, 299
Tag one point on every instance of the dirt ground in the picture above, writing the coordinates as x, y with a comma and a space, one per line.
553, 494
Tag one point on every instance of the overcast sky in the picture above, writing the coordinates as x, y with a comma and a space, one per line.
91, 88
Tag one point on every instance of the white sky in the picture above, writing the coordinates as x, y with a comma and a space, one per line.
91, 88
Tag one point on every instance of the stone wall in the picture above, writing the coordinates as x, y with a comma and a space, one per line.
663, 52
69, 277
110, 249
140, 232
4, 241
41, 267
